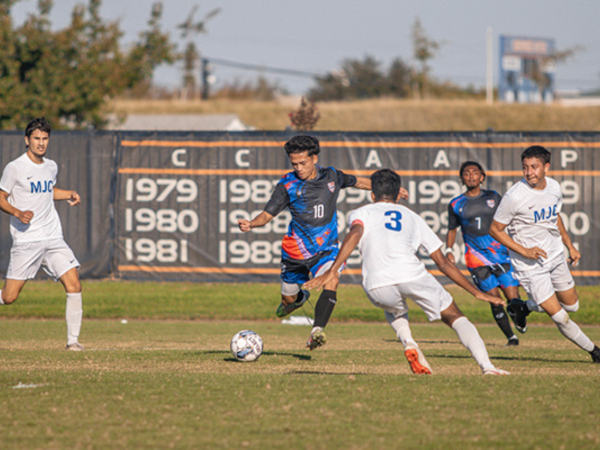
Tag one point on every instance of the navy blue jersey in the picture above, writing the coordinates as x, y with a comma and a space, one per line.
313, 228
474, 215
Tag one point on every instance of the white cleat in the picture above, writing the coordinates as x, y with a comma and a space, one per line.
495, 371
76, 347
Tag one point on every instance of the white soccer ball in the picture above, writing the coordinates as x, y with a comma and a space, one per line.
246, 346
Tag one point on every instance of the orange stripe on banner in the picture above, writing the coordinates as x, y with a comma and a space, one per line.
366, 144
406, 173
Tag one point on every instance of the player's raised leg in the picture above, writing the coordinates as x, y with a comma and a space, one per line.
412, 351
74, 308
11, 290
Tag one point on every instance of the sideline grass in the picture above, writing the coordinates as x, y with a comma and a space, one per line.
107, 299
173, 384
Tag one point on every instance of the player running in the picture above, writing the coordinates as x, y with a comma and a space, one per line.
27, 192
389, 236
486, 258
530, 213
310, 192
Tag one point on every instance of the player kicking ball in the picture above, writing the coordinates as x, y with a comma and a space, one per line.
27, 193
528, 223
389, 236
310, 192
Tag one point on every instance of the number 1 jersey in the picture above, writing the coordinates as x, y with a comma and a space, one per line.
313, 204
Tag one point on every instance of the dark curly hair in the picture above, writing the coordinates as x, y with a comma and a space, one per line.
38, 124
302, 143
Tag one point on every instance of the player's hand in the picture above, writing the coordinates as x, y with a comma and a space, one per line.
24, 216
450, 257
574, 256
534, 253
322, 280
244, 225
491, 299
403, 194
75, 199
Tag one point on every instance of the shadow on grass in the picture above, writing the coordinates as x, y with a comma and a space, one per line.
230, 358
511, 358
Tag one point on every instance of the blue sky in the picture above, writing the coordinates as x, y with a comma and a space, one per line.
316, 35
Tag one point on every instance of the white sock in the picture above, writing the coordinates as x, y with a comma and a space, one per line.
469, 336
1, 301
402, 328
571, 331
570, 308
73, 314
533, 306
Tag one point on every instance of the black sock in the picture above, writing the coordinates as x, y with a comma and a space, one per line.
324, 307
501, 319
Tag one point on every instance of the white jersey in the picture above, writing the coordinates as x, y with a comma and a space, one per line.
31, 188
392, 237
531, 217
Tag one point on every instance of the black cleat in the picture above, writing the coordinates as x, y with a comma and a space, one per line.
518, 312
595, 354
512, 342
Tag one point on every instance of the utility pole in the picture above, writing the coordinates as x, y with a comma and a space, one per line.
489, 96
205, 79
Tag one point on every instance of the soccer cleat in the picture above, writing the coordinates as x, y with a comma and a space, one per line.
76, 347
595, 354
284, 309
518, 312
417, 361
317, 338
495, 371
512, 342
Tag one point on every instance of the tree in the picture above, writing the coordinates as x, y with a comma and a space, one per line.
69, 75
424, 49
539, 68
191, 56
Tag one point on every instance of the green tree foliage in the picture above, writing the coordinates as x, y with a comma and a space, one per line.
69, 75
424, 49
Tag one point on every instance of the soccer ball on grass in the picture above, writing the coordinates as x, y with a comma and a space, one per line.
246, 346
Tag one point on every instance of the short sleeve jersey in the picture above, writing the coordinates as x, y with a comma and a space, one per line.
31, 188
312, 203
393, 234
531, 219
474, 216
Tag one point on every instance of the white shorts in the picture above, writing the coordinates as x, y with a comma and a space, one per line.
542, 282
426, 292
54, 256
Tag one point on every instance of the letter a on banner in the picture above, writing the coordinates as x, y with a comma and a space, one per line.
373, 159
441, 159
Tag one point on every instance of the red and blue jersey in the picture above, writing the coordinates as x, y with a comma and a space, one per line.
312, 203
474, 215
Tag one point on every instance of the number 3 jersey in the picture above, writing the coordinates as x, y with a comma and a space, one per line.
312, 203
474, 215
391, 239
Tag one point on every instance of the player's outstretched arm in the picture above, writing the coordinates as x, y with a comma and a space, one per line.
451, 271
450, 240
23, 216
350, 242
259, 221
497, 231
574, 255
71, 197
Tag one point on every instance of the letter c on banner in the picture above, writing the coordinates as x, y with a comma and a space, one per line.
175, 157
238, 158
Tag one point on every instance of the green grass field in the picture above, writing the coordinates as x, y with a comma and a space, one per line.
164, 381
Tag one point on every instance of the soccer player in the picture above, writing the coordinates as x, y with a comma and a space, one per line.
530, 213
389, 236
310, 192
486, 259
27, 193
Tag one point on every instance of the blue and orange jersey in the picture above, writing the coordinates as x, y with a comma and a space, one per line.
474, 215
312, 203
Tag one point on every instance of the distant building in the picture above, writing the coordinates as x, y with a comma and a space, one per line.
520, 59
181, 122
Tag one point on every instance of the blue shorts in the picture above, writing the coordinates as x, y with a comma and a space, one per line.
487, 278
299, 271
